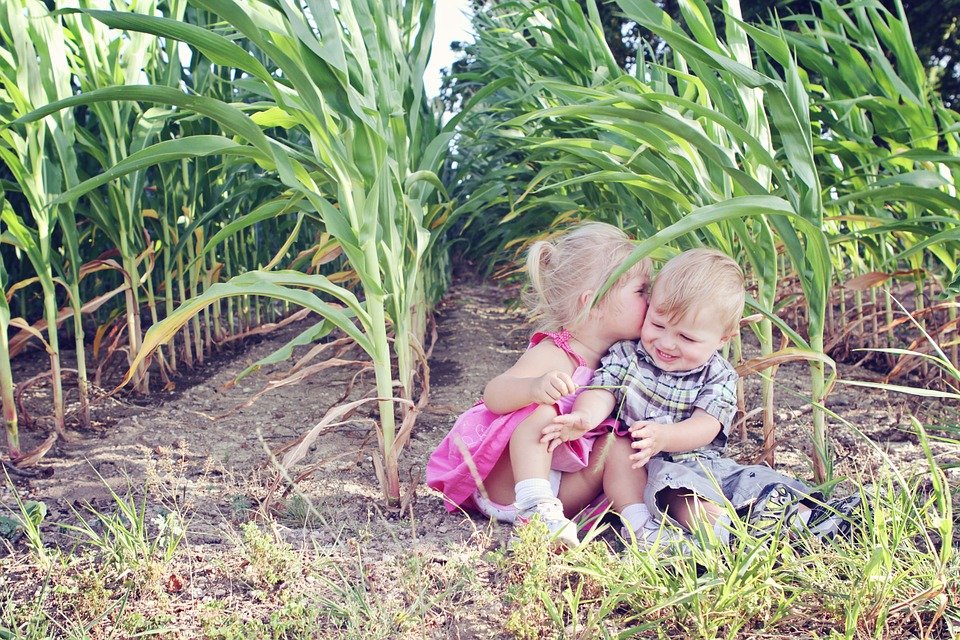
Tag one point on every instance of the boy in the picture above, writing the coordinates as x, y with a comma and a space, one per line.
676, 396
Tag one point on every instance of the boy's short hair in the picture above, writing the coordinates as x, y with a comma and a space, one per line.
702, 279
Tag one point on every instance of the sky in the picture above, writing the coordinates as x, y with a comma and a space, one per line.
452, 24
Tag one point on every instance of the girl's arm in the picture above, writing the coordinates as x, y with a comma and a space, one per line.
592, 407
541, 375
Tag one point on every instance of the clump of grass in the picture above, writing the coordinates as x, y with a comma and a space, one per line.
531, 572
134, 543
895, 576
297, 619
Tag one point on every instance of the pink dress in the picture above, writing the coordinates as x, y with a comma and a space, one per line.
480, 436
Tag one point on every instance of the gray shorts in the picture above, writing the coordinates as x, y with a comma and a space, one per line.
715, 478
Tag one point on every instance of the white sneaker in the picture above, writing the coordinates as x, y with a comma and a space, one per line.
550, 513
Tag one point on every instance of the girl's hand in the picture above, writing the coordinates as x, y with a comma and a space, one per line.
562, 428
649, 439
552, 386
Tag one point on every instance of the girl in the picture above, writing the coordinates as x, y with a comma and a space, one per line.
495, 459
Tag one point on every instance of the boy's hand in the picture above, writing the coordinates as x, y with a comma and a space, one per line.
649, 439
552, 386
569, 426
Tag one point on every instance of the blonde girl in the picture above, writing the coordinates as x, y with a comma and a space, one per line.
495, 459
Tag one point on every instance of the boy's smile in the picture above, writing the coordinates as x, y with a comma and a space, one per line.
681, 344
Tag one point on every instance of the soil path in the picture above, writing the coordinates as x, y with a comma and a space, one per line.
194, 448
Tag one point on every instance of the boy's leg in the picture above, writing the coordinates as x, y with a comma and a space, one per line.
689, 509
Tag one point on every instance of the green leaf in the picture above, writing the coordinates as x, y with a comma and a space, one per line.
291, 286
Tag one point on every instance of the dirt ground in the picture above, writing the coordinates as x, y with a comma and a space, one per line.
192, 446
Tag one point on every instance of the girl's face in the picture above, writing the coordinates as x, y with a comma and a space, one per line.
623, 310
681, 344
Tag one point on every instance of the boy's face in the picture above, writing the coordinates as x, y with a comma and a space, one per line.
682, 344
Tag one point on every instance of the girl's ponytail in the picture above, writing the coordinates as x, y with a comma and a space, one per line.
535, 295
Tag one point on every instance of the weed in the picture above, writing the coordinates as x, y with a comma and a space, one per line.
138, 625
528, 570
269, 560
130, 541
21, 617
26, 523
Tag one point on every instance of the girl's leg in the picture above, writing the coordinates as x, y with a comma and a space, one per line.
525, 459
624, 485
577, 490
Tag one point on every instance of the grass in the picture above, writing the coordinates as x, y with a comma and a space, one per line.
137, 570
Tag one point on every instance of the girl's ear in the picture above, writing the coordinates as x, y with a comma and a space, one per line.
585, 299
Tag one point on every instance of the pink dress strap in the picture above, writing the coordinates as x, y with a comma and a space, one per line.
561, 339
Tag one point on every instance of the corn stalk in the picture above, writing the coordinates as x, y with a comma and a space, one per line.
6, 375
40, 156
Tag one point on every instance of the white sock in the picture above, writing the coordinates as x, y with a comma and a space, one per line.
635, 516
531, 491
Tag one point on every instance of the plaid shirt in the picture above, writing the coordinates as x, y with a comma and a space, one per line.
645, 392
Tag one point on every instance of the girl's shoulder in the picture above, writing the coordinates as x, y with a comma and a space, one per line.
557, 343
546, 354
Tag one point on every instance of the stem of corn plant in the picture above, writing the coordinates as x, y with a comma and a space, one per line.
182, 288
918, 306
56, 377
766, 397
132, 298
6, 383
194, 277
83, 384
228, 271
169, 266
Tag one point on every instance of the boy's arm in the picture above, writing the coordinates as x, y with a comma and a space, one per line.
540, 375
651, 438
591, 408
715, 407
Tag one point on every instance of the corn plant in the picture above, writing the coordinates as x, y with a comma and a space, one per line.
649, 151
112, 131
363, 159
895, 204
673, 150
41, 157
